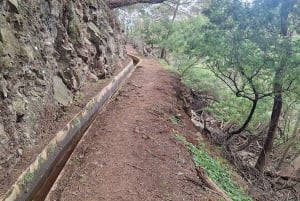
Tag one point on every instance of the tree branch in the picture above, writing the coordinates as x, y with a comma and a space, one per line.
121, 3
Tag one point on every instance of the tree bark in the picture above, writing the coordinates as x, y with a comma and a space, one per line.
276, 111
277, 85
121, 3
163, 53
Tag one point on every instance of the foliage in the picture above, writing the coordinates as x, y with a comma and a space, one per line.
235, 109
148, 24
245, 47
175, 120
216, 170
236, 49
26, 179
197, 78
228, 107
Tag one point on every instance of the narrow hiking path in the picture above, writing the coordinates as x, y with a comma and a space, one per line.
130, 152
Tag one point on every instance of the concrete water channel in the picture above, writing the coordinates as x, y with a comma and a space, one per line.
36, 181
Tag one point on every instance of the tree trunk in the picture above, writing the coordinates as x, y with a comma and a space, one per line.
163, 53
277, 86
268, 145
121, 3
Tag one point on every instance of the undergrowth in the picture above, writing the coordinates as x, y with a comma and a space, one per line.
229, 107
218, 172
175, 120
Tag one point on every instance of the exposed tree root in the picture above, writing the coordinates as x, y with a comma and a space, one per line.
210, 184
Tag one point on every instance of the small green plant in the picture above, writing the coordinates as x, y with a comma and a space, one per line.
41, 162
27, 178
77, 122
216, 170
78, 97
52, 148
175, 120
90, 106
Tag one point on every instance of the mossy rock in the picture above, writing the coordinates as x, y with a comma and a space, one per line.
74, 28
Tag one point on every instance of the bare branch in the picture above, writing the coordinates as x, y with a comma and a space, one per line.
121, 3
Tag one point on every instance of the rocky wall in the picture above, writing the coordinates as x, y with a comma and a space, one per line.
49, 49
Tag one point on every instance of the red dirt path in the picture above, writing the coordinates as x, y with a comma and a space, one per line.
131, 152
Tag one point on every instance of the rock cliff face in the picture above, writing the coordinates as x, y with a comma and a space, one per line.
49, 49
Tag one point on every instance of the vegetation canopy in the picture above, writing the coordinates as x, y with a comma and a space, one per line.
244, 54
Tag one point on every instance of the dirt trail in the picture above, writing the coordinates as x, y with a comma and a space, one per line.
130, 152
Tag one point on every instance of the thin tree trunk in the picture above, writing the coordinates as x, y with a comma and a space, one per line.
182, 74
163, 52
268, 145
277, 85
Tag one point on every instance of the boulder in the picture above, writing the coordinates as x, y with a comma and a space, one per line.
61, 92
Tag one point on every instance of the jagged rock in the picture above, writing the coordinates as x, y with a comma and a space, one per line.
3, 87
19, 106
27, 53
61, 93
9, 43
3, 137
48, 51
93, 77
14, 6
94, 29
3, 147
70, 78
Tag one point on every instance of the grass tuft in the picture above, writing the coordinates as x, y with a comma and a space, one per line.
27, 178
175, 120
